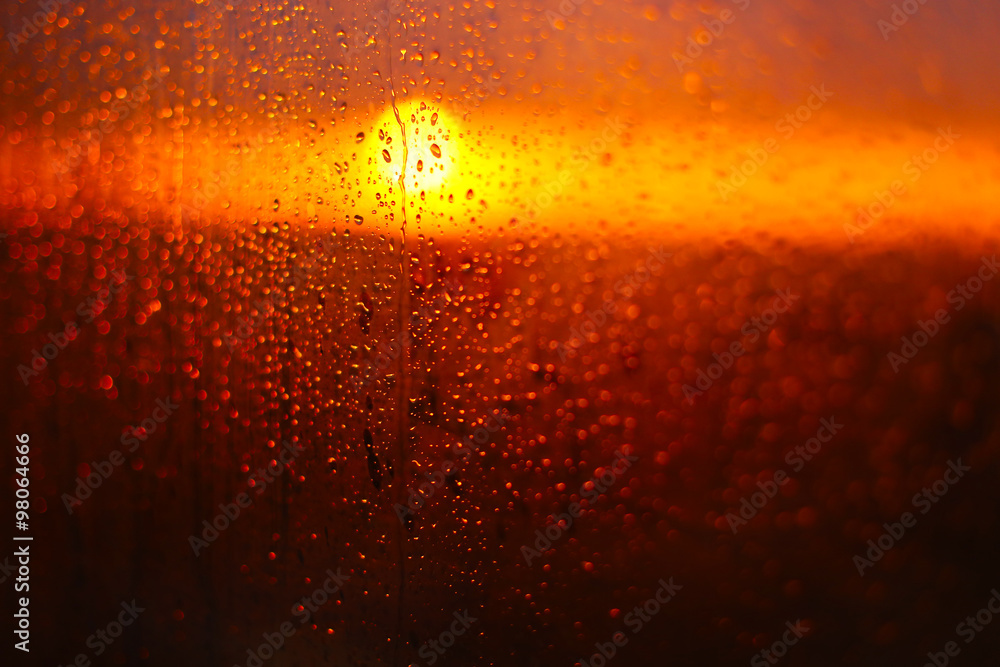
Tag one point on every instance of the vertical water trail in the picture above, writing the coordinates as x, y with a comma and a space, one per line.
402, 403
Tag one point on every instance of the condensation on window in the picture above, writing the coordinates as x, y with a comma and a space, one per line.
504, 332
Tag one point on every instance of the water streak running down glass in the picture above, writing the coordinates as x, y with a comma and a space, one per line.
502, 333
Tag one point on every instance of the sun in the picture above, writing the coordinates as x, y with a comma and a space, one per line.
431, 154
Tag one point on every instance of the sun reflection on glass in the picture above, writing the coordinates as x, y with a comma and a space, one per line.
431, 155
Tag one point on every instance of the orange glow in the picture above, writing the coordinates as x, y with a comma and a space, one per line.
432, 153
628, 168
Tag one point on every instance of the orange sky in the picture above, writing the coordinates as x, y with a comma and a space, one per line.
558, 124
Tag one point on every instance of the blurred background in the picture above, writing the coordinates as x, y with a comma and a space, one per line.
499, 249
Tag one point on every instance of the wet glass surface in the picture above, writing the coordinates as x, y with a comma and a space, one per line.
503, 333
